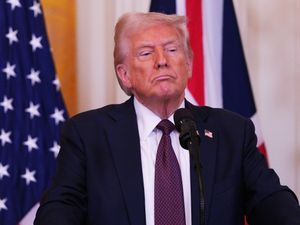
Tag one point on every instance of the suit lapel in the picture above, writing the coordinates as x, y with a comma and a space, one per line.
208, 150
124, 143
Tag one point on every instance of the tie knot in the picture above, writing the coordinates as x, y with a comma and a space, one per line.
166, 126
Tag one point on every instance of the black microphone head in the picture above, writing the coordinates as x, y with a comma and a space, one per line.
186, 125
180, 116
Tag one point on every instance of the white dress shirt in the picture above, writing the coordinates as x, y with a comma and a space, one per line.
149, 139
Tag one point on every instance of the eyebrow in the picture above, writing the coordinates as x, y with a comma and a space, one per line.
150, 45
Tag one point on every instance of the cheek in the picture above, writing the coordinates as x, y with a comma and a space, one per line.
142, 71
184, 70
138, 77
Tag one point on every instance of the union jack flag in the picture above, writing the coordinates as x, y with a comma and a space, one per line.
31, 109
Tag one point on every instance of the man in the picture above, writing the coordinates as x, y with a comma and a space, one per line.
111, 167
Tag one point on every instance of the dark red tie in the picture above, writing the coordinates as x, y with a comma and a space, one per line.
168, 199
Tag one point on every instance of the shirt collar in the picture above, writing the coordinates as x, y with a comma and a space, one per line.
147, 120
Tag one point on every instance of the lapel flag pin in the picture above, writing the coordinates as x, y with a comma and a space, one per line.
208, 133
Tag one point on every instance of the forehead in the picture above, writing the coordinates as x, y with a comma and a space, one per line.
155, 35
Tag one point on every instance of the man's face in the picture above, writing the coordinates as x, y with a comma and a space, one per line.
156, 66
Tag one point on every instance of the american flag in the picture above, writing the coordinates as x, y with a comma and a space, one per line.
31, 109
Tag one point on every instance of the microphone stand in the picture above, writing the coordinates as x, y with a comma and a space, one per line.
194, 151
191, 140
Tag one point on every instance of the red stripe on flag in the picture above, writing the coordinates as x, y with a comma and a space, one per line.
194, 15
263, 150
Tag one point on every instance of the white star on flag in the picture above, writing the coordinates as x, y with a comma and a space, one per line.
56, 83
55, 149
34, 77
2, 204
7, 104
35, 42
14, 3
29, 176
12, 35
33, 110
36, 8
3, 171
9, 70
58, 115
4, 137
31, 143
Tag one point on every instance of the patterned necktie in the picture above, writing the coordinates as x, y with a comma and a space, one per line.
168, 200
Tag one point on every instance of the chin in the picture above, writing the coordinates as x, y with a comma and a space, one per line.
167, 93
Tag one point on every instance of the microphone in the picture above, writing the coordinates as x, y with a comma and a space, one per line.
189, 139
185, 124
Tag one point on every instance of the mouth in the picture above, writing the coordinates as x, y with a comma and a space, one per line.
163, 77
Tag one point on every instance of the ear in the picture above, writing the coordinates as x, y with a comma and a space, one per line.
123, 75
190, 68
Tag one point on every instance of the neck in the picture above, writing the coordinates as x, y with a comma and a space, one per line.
163, 108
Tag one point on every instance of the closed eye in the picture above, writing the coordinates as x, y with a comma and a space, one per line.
172, 49
145, 53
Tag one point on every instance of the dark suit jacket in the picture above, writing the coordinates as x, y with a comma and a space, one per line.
99, 176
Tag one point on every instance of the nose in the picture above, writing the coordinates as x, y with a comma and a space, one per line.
161, 60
